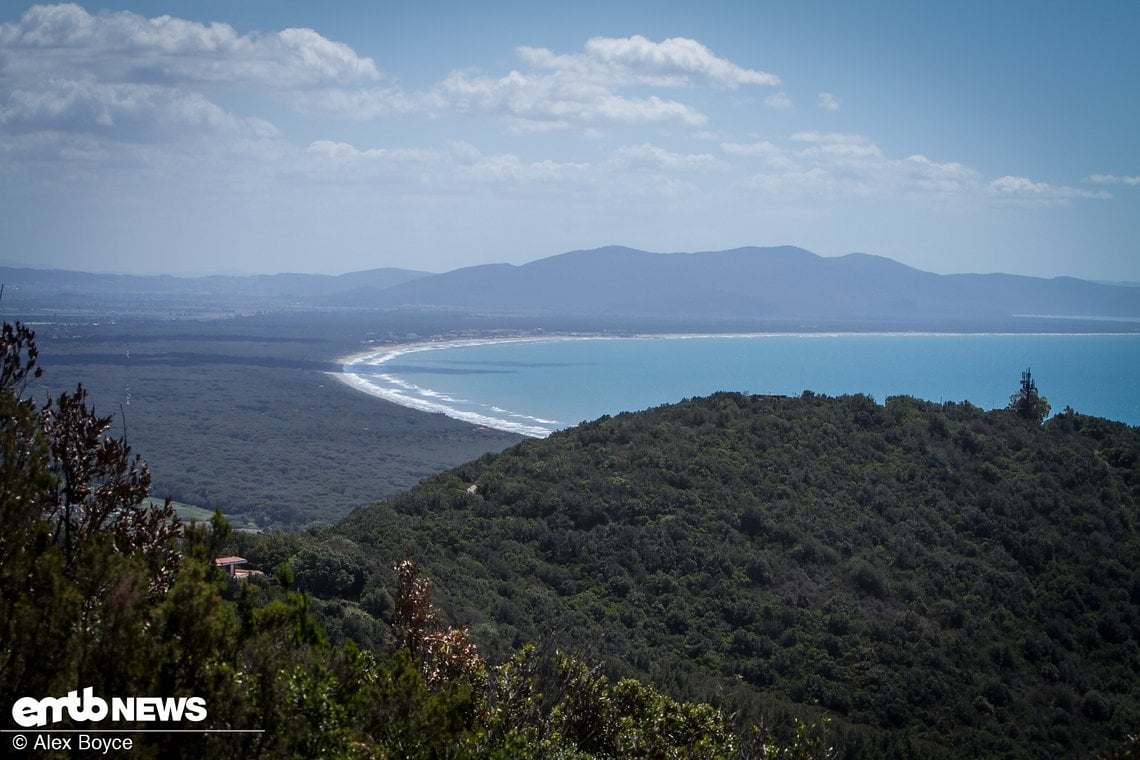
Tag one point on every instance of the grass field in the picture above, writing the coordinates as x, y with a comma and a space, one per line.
189, 512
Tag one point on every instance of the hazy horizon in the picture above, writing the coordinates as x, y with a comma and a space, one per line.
169, 136
241, 273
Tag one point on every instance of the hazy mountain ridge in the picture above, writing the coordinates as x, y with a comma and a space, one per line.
748, 287
64, 290
757, 283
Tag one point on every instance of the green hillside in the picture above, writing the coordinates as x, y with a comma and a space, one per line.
932, 577
780, 575
104, 592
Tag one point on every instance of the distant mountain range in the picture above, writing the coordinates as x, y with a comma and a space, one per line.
57, 290
744, 286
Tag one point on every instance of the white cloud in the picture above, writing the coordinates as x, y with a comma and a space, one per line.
838, 145
582, 90
675, 62
1112, 179
945, 179
830, 138
762, 148
1026, 190
363, 104
1020, 186
779, 102
456, 164
66, 54
647, 156
628, 174
65, 40
651, 110
828, 102
135, 112
812, 165
545, 101
127, 78
341, 154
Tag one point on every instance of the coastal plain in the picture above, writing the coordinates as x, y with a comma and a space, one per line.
241, 413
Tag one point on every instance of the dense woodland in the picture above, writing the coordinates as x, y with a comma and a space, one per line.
102, 590
933, 578
728, 576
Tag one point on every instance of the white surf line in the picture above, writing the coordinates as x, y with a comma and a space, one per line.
399, 389
423, 405
376, 357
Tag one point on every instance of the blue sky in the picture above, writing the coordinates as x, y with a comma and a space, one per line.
268, 136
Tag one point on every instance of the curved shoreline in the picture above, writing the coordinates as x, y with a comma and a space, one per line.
427, 400
423, 399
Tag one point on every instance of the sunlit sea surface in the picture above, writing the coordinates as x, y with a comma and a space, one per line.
535, 387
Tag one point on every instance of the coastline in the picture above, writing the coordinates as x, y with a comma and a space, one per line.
425, 399
409, 395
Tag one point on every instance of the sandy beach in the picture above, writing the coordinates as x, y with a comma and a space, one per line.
909, 364
398, 391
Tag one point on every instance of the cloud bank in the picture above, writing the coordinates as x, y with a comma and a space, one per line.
123, 112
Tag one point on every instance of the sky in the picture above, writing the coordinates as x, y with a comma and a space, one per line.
263, 136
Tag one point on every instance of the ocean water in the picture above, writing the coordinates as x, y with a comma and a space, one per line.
535, 387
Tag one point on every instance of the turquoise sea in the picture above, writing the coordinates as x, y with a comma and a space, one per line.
537, 386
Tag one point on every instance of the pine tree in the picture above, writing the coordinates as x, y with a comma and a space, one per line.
1027, 402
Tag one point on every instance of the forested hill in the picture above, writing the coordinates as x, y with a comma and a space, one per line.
782, 289
776, 288
935, 578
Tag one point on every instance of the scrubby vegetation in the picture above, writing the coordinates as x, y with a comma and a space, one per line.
795, 577
102, 590
934, 578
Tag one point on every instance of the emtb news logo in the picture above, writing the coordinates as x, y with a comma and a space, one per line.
30, 712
